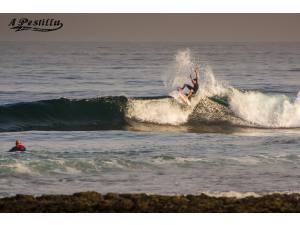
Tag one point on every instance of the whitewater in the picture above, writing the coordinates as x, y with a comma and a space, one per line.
255, 108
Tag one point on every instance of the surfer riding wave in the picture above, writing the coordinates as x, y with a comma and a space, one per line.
192, 89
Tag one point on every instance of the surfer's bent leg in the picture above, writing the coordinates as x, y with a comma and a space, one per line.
187, 86
190, 94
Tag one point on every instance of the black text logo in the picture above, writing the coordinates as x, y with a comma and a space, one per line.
41, 25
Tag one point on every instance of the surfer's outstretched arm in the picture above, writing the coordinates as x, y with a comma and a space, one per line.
197, 72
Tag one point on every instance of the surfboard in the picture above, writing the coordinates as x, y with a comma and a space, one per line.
220, 100
184, 98
180, 98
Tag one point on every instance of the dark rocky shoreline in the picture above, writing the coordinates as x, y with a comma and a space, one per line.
113, 202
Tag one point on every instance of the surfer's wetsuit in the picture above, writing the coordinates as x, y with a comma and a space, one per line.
194, 89
18, 148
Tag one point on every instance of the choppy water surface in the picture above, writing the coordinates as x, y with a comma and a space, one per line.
98, 116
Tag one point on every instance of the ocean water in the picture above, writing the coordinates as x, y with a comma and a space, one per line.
100, 117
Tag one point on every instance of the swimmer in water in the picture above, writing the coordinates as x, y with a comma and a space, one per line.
18, 148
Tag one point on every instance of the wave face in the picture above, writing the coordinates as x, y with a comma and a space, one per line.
110, 113
64, 114
104, 113
246, 109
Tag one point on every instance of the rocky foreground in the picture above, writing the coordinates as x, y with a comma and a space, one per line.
112, 202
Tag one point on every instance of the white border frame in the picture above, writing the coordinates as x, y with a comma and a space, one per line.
150, 6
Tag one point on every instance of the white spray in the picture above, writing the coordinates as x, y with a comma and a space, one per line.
168, 111
274, 111
160, 111
260, 109
184, 65
178, 72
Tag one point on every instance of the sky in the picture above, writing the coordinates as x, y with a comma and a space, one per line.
160, 27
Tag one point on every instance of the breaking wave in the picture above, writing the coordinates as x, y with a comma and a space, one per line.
215, 103
250, 109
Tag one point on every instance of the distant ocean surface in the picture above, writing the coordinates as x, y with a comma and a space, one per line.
99, 116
